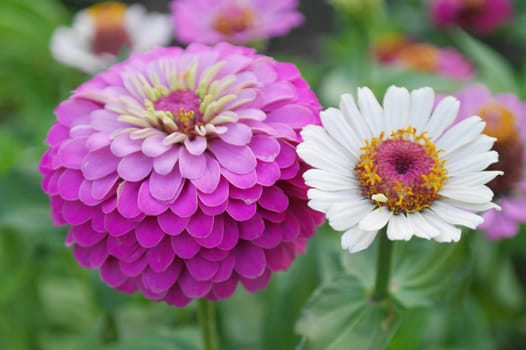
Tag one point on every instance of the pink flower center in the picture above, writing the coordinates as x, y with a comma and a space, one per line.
182, 107
402, 172
111, 35
233, 19
501, 124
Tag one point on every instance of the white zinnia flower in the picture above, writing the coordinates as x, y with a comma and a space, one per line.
102, 31
400, 166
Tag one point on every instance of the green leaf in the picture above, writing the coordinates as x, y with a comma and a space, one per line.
493, 69
340, 315
157, 341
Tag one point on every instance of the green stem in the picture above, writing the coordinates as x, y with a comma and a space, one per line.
207, 320
383, 266
110, 333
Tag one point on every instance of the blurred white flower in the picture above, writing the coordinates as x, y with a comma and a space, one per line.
402, 166
103, 31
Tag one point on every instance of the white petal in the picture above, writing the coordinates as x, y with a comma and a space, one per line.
422, 101
371, 111
376, 219
328, 181
448, 233
355, 240
470, 194
460, 134
342, 216
354, 118
474, 179
456, 216
340, 131
396, 108
422, 228
475, 162
471, 206
443, 115
159, 28
322, 201
399, 228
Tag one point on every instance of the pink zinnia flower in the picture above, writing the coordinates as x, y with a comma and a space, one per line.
397, 50
483, 16
505, 117
235, 21
177, 172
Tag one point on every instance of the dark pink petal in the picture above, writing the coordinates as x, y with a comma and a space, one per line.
280, 258
69, 184
265, 148
161, 281
273, 129
250, 260
290, 172
274, 199
236, 159
72, 152
192, 288
76, 213
85, 236
166, 187
171, 223
214, 211
101, 187
277, 93
217, 197
97, 222
201, 269
135, 167
97, 141
135, 268
291, 228
271, 238
296, 116
57, 204
249, 195
161, 256
176, 297
123, 146
191, 166
50, 182
111, 273
226, 267
148, 204
57, 134
252, 228
267, 173
148, 233
185, 246
99, 164
240, 181
109, 205
287, 155
200, 225
239, 210
129, 287
223, 290
153, 146
117, 225
253, 285
186, 204
196, 145
237, 134
122, 246
273, 216
230, 234
216, 235
74, 110
150, 294
165, 163
127, 199
209, 181
214, 254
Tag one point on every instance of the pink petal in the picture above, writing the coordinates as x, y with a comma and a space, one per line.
117, 225
148, 204
127, 199
240, 181
214, 211
161, 281
277, 93
101, 187
250, 260
153, 146
265, 148
237, 134
218, 196
290, 172
123, 146
111, 273
252, 228
236, 159
280, 258
192, 288
214, 254
165, 163
166, 187
176, 297
226, 267
72, 152
171, 223
75, 110
56, 135
161, 256
196, 145
191, 166
200, 225
133, 269
274, 199
287, 156
248, 196
201, 269
239, 210
291, 228
185, 246
210, 179
186, 204
230, 234
148, 233
69, 184
104, 120
99, 164
85, 236
295, 116
135, 167
267, 173
76, 213
223, 290
253, 285
271, 238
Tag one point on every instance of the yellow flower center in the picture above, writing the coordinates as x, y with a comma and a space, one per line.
111, 35
233, 19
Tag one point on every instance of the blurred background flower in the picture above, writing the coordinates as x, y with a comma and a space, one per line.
106, 30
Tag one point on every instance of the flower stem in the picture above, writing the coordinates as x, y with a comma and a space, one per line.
207, 320
383, 266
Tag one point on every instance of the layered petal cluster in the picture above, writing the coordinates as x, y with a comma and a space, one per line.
401, 166
505, 117
234, 21
100, 33
397, 50
177, 172
482, 16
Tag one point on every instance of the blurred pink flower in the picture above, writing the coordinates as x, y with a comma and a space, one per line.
482, 16
177, 171
395, 49
235, 21
505, 117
